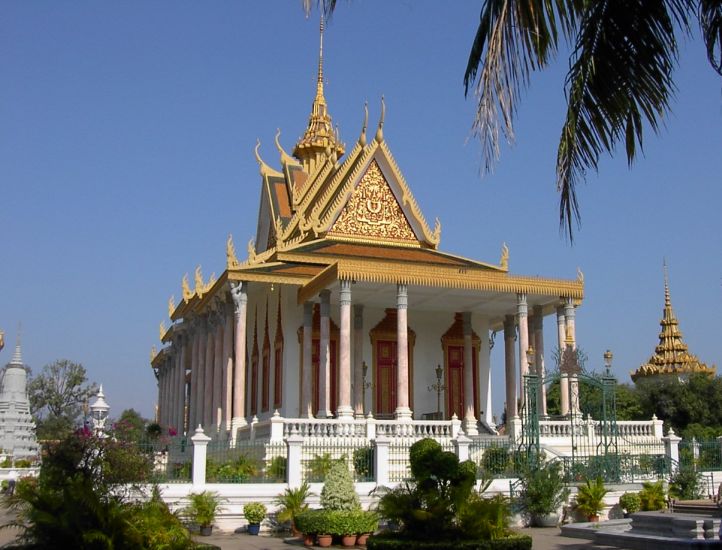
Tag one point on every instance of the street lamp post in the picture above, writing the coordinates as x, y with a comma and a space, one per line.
99, 412
438, 388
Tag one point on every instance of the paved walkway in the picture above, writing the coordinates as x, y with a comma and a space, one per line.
544, 539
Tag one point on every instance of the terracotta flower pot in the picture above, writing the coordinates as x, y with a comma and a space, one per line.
324, 541
308, 539
348, 540
593, 519
361, 539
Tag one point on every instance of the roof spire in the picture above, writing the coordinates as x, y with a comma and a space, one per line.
17, 358
319, 136
667, 299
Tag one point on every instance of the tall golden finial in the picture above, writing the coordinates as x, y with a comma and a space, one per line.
504, 261
187, 292
171, 306
198, 279
161, 330
362, 137
231, 259
319, 81
380, 130
667, 298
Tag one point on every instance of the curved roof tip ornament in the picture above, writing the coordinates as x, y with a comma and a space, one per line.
362, 137
380, 130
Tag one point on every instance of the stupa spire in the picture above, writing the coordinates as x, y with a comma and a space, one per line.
319, 141
671, 355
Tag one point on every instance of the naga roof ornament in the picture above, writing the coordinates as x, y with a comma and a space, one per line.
671, 356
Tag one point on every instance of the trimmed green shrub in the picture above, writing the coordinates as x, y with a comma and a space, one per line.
337, 522
339, 492
630, 502
542, 489
652, 497
388, 541
254, 512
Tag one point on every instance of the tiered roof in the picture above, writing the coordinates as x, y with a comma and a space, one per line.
671, 356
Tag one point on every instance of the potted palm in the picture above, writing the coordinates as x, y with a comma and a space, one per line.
542, 493
291, 503
202, 510
590, 498
254, 512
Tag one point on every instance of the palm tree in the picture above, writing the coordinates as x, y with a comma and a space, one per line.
623, 55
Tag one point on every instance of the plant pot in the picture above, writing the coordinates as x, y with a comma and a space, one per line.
308, 539
545, 520
361, 539
594, 518
206, 530
324, 541
254, 528
348, 540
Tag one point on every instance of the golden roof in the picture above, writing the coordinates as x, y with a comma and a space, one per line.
671, 356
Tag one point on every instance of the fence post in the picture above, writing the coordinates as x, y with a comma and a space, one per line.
657, 427
381, 460
370, 427
294, 465
695, 451
254, 421
671, 449
515, 429
200, 448
455, 426
276, 427
461, 444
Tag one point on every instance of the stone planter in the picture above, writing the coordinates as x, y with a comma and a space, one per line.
545, 520
206, 530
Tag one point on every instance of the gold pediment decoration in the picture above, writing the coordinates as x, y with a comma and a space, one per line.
373, 212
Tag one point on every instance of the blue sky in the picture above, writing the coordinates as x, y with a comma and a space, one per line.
126, 157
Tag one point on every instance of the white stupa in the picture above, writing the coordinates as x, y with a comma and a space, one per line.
17, 429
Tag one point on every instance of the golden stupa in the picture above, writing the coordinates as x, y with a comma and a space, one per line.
671, 356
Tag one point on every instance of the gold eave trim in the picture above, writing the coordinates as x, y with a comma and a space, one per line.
461, 278
318, 283
388, 242
267, 278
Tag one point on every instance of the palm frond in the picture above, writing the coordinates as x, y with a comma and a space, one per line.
710, 17
513, 39
620, 77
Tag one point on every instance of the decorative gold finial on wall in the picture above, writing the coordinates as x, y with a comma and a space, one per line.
231, 259
171, 306
380, 130
504, 261
362, 137
161, 330
187, 292
198, 279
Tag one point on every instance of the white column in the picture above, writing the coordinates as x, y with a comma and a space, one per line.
218, 357
563, 378
510, 368
539, 359
177, 389
358, 383
185, 358
344, 371
403, 411
307, 382
208, 374
522, 322
161, 393
469, 416
324, 357
239, 293
227, 389
569, 314
485, 403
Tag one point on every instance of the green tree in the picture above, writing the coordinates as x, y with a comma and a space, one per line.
130, 426
620, 78
56, 397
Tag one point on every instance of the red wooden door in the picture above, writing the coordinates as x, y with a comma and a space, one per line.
455, 381
385, 377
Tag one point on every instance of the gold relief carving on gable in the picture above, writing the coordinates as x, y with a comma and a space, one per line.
373, 211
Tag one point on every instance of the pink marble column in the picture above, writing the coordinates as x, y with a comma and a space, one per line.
218, 373
344, 371
193, 389
358, 382
306, 384
571, 337
469, 417
239, 293
324, 365
403, 411
539, 359
523, 324
510, 368
563, 378
227, 389
208, 368
201, 381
